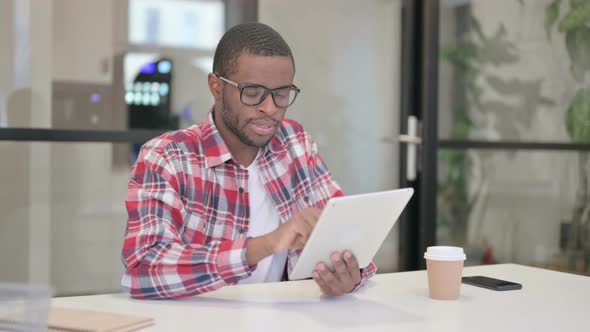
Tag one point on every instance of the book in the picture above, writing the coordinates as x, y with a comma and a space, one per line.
79, 320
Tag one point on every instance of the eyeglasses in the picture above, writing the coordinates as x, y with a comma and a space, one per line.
254, 94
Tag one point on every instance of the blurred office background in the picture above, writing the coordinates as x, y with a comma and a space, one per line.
500, 89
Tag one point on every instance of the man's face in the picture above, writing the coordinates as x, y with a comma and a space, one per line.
254, 126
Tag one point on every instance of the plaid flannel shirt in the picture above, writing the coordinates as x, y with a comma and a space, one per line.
188, 208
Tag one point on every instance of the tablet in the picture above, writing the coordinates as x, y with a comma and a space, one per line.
358, 223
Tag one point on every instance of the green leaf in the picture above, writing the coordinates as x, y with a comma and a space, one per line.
461, 128
551, 15
460, 56
577, 17
576, 3
443, 221
578, 117
577, 42
577, 73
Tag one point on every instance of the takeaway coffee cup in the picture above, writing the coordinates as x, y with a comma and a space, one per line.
445, 267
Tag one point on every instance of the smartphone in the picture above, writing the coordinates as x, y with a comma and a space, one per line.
491, 283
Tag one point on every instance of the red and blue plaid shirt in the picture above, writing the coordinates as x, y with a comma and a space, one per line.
188, 208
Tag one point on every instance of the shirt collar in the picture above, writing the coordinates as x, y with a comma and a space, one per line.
216, 151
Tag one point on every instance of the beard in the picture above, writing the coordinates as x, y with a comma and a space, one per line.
230, 119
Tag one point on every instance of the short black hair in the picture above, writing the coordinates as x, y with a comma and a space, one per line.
254, 38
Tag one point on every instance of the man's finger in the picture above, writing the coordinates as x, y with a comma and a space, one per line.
330, 279
340, 268
301, 238
299, 242
351, 262
353, 267
302, 228
310, 217
325, 288
315, 213
308, 221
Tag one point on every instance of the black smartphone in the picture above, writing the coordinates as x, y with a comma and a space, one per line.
491, 283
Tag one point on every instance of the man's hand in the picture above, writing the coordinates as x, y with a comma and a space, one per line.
346, 275
293, 234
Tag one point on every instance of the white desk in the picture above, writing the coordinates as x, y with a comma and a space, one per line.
549, 301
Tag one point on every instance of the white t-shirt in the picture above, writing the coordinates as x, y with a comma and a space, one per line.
264, 219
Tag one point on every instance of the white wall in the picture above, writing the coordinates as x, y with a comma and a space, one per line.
83, 45
87, 193
347, 58
88, 215
6, 65
26, 101
63, 216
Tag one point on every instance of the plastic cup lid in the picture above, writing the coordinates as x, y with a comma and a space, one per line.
445, 253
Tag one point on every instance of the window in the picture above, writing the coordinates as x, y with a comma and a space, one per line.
176, 23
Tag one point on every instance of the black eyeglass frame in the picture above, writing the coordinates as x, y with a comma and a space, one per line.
267, 91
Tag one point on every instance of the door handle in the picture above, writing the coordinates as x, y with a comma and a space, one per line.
412, 139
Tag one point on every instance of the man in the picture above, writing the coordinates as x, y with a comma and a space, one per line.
235, 198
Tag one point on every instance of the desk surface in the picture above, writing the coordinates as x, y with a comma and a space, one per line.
549, 301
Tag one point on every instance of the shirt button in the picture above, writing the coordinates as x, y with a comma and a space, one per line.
241, 190
306, 199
